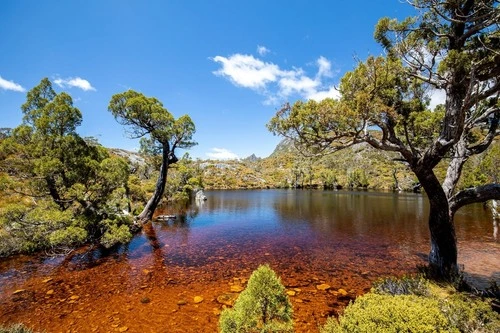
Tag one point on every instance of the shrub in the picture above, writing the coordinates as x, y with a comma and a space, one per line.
415, 305
374, 313
469, 315
262, 307
403, 286
16, 328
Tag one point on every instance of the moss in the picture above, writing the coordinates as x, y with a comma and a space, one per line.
262, 307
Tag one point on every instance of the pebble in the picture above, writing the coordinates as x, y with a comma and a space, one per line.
50, 292
323, 286
197, 299
227, 299
182, 302
237, 288
342, 292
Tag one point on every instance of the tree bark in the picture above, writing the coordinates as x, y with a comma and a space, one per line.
443, 254
167, 158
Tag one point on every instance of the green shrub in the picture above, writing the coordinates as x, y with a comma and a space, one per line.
262, 307
117, 231
373, 313
470, 315
16, 328
402, 286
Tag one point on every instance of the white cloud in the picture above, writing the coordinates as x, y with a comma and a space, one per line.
221, 154
274, 83
332, 92
10, 85
76, 82
247, 71
262, 50
438, 96
325, 67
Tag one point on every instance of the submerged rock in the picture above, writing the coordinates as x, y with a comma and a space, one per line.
323, 286
227, 299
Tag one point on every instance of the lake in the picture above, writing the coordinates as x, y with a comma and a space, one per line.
343, 239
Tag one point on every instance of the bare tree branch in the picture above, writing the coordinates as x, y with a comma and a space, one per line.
474, 195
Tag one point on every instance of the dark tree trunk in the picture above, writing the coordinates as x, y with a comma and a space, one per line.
167, 158
443, 254
51, 185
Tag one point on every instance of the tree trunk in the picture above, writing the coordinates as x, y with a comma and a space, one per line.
149, 209
443, 254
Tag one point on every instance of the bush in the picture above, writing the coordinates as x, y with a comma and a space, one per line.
16, 328
469, 315
374, 313
414, 305
117, 231
262, 307
403, 286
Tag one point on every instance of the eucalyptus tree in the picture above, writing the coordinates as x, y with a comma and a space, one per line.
147, 118
449, 47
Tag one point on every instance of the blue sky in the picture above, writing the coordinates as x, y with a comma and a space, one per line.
228, 64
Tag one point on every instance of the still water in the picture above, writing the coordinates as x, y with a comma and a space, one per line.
340, 238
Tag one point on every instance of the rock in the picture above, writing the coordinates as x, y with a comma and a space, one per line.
291, 292
323, 286
47, 280
74, 297
123, 329
236, 288
197, 299
342, 292
18, 291
200, 196
50, 292
227, 299
145, 300
182, 302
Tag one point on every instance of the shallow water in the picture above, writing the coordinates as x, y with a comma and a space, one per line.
344, 239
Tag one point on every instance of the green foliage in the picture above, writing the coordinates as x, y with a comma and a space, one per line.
16, 328
374, 313
146, 118
481, 169
72, 184
43, 226
117, 231
470, 315
402, 286
413, 304
262, 307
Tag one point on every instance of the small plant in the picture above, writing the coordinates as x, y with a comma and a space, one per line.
16, 328
413, 304
262, 307
470, 315
373, 313
403, 286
